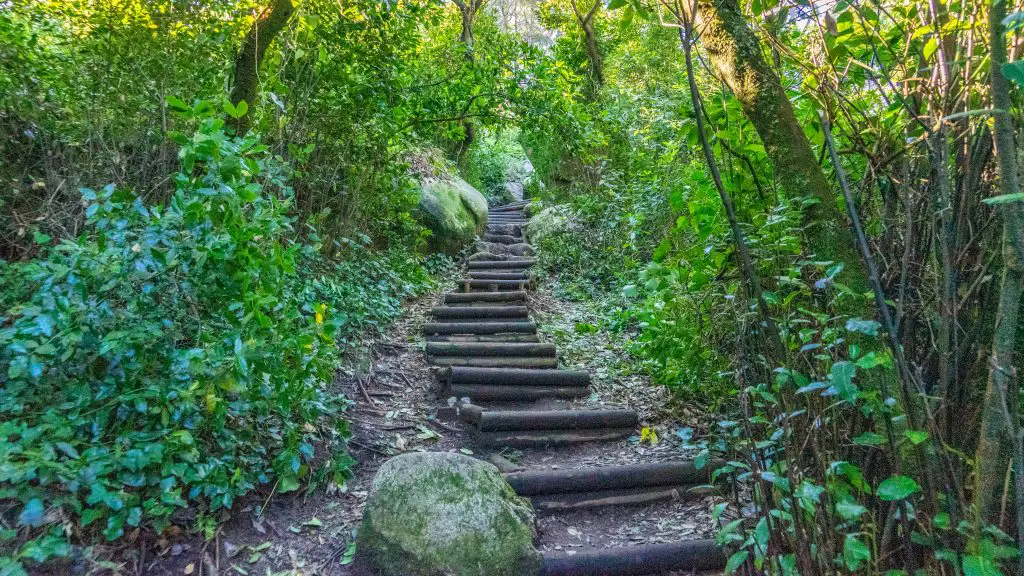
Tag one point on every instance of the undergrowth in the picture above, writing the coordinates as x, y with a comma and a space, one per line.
179, 355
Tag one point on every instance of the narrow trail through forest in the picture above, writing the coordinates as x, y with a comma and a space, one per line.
606, 471
503, 384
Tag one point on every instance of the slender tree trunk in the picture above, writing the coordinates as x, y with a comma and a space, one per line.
736, 56
1000, 431
468, 10
594, 57
267, 25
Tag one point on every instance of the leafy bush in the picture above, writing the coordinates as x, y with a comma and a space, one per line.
177, 355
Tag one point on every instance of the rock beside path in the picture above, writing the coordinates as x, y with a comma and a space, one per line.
444, 514
454, 211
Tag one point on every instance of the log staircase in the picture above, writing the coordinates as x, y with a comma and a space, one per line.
489, 356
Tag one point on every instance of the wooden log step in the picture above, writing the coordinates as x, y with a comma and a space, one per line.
514, 393
685, 555
503, 349
504, 296
479, 312
502, 238
479, 328
536, 438
507, 208
508, 377
499, 275
629, 497
647, 475
495, 361
510, 420
470, 283
484, 338
510, 219
492, 264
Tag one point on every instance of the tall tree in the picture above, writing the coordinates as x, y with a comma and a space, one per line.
1001, 437
594, 57
737, 58
468, 9
265, 28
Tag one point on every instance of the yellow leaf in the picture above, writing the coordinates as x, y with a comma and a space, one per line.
649, 435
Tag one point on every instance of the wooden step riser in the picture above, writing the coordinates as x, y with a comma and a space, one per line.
487, 393
561, 378
480, 312
518, 420
559, 503
478, 328
494, 362
646, 475
686, 555
486, 338
485, 349
490, 297
540, 438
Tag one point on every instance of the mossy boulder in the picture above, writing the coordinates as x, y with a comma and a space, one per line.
444, 514
548, 221
452, 210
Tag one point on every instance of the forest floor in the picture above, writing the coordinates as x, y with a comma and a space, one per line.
395, 402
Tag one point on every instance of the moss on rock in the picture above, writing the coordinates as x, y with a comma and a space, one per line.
443, 514
548, 221
453, 211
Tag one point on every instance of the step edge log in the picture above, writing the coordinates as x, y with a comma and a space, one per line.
636, 560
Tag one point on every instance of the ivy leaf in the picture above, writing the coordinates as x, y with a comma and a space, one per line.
897, 488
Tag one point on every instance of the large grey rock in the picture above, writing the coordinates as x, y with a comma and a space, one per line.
452, 210
444, 514
547, 222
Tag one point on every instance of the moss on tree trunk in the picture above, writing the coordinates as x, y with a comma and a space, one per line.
736, 55
267, 25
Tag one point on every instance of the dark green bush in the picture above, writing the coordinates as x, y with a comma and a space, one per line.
178, 355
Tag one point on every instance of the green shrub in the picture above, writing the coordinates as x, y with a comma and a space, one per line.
177, 355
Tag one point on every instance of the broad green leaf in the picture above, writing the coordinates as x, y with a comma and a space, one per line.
855, 552
916, 436
981, 566
1006, 198
897, 488
736, 560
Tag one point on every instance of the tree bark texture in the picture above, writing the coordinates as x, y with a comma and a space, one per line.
1000, 439
268, 24
736, 56
594, 56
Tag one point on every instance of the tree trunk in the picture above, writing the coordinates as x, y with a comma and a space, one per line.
267, 25
735, 53
596, 61
1000, 439
468, 10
